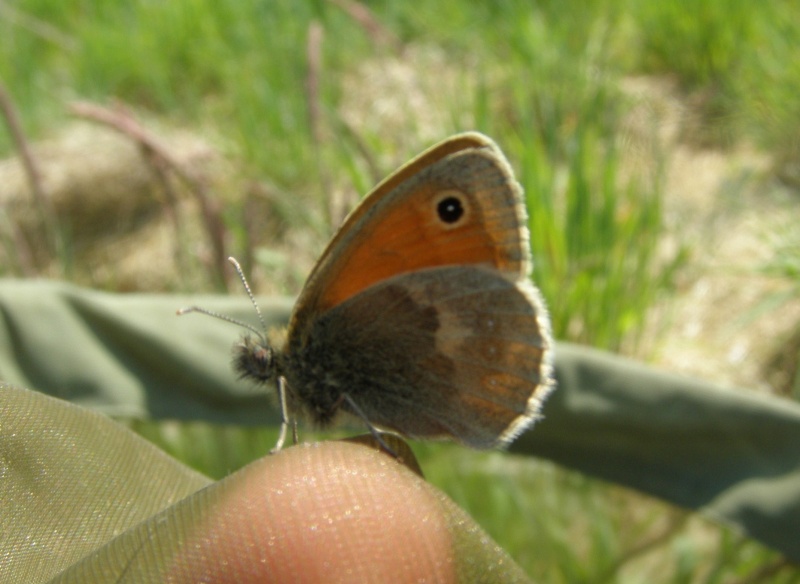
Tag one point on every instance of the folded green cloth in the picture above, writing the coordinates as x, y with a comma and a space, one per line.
731, 454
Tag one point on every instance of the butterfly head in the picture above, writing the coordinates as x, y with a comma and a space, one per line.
255, 356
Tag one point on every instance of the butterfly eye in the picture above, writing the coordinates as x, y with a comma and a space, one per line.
450, 209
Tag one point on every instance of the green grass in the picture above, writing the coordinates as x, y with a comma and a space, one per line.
240, 69
742, 58
784, 267
543, 80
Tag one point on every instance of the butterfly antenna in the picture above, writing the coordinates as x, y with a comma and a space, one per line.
225, 317
246, 285
199, 309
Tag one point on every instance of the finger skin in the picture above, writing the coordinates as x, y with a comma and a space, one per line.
326, 512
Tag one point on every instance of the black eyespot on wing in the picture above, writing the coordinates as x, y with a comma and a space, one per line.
450, 209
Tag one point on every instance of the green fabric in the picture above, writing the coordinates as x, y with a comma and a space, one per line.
71, 480
729, 453
86, 500
128, 355
732, 454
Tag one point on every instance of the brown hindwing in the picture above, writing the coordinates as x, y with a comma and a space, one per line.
459, 351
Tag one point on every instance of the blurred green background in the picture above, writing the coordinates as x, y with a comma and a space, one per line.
658, 145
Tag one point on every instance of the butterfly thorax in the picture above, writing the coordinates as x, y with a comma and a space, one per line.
368, 351
314, 380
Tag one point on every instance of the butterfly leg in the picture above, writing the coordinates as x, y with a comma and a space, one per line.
284, 418
372, 429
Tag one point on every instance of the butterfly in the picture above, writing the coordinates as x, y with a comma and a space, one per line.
420, 315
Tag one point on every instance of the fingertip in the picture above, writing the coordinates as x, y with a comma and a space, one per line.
335, 511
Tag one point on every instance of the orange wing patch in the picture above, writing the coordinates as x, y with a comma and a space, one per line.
466, 210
